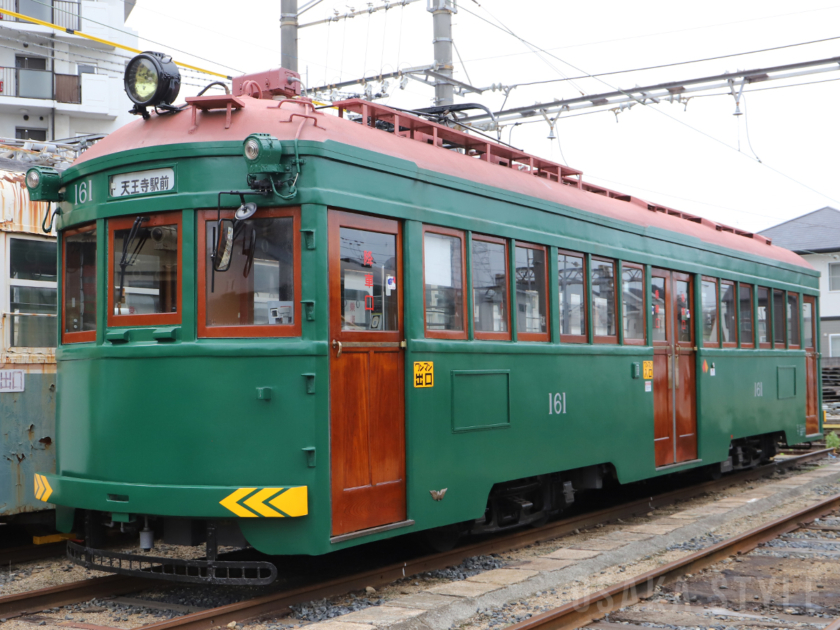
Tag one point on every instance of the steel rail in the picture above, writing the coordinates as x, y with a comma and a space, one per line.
589, 608
35, 601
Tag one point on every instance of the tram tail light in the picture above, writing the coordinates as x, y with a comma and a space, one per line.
43, 183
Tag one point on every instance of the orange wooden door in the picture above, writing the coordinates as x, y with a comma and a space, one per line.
663, 400
809, 337
685, 364
367, 378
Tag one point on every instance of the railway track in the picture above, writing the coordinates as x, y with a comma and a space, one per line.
618, 598
275, 603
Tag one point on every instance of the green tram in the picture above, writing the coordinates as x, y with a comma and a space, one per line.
302, 332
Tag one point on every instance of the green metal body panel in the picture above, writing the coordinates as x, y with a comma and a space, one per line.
176, 423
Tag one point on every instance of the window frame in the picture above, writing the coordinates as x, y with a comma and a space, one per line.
6, 282
539, 337
779, 345
448, 334
151, 319
246, 331
605, 339
484, 335
87, 335
582, 338
830, 354
733, 284
643, 340
711, 344
751, 287
798, 318
768, 314
830, 265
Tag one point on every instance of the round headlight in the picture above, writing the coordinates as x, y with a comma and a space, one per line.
152, 79
252, 149
33, 178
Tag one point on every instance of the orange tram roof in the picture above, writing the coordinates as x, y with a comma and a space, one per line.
230, 118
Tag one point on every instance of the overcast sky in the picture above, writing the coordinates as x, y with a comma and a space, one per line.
699, 158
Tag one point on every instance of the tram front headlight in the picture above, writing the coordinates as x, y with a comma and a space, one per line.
43, 183
262, 153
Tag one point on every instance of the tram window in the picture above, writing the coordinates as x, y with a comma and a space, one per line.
745, 314
79, 289
807, 324
633, 303
728, 322
793, 319
144, 269
443, 278
32, 293
490, 288
779, 323
259, 294
531, 309
710, 313
659, 308
571, 278
603, 300
762, 316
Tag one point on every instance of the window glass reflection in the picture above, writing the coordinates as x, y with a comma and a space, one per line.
530, 291
683, 312
443, 278
259, 287
779, 323
603, 298
727, 313
710, 312
150, 283
368, 281
763, 309
570, 281
746, 315
633, 303
659, 309
793, 318
489, 281
27, 329
79, 293
807, 325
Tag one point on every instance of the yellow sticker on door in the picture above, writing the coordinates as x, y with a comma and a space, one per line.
424, 374
647, 369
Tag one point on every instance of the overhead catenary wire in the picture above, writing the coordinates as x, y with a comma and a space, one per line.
663, 113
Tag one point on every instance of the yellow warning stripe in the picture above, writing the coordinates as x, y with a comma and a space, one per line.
289, 502
26, 18
43, 491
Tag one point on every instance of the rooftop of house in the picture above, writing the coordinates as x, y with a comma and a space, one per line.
815, 232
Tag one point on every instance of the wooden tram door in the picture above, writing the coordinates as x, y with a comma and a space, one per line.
809, 340
674, 378
367, 397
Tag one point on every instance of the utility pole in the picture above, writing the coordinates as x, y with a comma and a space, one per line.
289, 34
442, 11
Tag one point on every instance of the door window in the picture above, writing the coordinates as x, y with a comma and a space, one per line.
490, 288
531, 308
79, 290
633, 303
808, 323
793, 319
571, 277
368, 281
443, 279
659, 308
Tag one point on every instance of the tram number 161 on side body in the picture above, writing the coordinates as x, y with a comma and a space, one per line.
557, 403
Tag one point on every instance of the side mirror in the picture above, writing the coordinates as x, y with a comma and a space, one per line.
223, 245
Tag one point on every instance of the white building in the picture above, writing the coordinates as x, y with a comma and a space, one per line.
55, 84
816, 237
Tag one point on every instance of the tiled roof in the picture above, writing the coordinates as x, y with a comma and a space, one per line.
813, 232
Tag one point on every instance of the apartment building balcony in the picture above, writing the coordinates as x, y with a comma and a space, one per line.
85, 96
66, 13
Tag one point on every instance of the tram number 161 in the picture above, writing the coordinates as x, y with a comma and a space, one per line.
557, 403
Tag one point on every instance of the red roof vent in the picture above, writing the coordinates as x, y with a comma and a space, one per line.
276, 82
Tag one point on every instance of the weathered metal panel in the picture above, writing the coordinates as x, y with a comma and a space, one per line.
27, 433
17, 212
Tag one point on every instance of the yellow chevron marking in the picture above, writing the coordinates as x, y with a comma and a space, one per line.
39, 489
256, 502
292, 502
231, 502
47, 489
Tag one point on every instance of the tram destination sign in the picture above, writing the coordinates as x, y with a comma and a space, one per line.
142, 182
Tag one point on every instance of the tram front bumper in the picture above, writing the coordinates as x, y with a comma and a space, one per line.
281, 501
